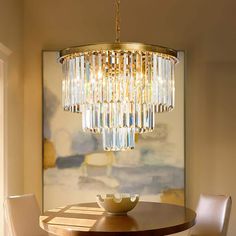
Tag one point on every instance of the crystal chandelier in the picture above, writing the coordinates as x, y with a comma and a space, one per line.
118, 87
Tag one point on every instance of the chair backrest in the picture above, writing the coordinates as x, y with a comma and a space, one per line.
213, 212
22, 216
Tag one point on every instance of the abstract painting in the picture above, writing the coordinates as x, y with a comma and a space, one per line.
76, 169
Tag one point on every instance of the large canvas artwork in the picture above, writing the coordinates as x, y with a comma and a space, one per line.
76, 169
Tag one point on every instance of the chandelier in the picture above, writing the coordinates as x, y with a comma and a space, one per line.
118, 87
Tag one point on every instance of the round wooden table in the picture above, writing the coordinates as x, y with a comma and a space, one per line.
147, 218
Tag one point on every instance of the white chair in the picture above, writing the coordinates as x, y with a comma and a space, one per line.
213, 212
22, 216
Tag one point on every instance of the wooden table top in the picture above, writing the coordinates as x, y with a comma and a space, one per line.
147, 218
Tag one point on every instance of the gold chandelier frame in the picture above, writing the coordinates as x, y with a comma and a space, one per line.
124, 46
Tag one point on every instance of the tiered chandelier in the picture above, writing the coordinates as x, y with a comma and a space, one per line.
118, 87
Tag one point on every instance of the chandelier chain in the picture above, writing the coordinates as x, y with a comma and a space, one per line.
117, 21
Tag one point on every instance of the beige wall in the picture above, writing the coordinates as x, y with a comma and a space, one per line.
205, 29
11, 35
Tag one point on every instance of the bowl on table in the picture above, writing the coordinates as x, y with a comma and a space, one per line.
117, 204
